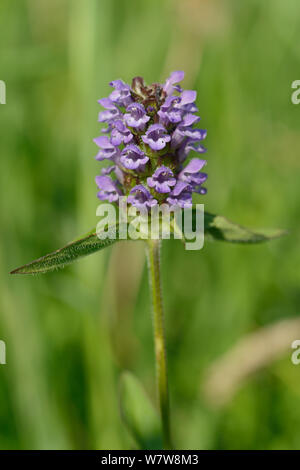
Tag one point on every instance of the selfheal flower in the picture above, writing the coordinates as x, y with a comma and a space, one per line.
156, 137
108, 189
191, 173
174, 78
187, 97
133, 157
120, 134
187, 147
121, 95
151, 129
185, 129
139, 196
111, 111
108, 150
136, 116
168, 113
181, 195
181, 133
186, 104
162, 180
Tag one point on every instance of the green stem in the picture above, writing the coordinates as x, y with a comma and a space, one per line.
153, 254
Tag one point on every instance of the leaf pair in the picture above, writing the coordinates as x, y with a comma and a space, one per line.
215, 227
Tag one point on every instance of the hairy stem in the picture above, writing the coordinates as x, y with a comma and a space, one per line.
153, 254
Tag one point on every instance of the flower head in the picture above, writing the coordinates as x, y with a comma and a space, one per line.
149, 135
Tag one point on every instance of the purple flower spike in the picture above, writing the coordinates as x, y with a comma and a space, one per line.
108, 151
151, 122
132, 157
139, 196
120, 134
181, 195
192, 174
174, 78
108, 189
156, 137
162, 180
121, 95
136, 116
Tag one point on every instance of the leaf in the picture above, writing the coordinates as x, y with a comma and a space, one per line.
220, 228
87, 245
139, 414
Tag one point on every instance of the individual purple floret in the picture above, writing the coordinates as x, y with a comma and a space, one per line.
151, 131
136, 116
187, 147
191, 173
156, 137
108, 150
108, 189
120, 134
174, 78
133, 157
168, 113
139, 197
181, 195
111, 111
121, 94
187, 97
185, 130
162, 180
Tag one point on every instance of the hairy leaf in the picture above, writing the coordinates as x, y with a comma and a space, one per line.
220, 228
84, 246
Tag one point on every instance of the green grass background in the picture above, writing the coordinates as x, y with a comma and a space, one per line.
70, 334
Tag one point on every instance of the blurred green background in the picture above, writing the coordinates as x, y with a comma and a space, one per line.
70, 334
